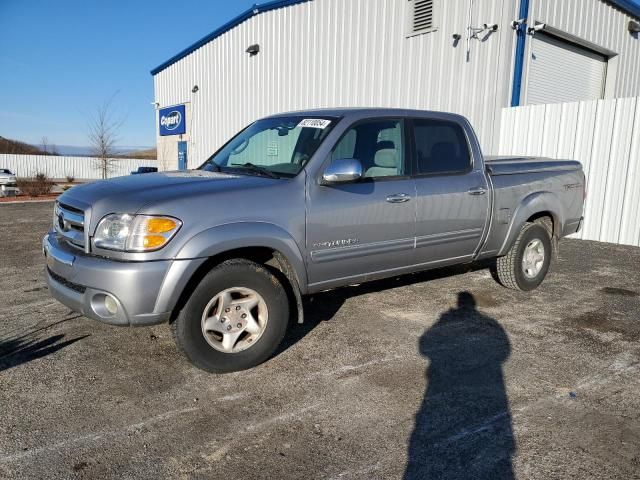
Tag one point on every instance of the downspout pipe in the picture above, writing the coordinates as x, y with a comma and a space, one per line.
521, 33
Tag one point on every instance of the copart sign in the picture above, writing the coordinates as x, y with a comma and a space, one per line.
172, 120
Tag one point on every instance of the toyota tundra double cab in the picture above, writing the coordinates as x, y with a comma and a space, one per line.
298, 203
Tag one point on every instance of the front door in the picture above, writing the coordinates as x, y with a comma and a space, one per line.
452, 193
368, 226
182, 155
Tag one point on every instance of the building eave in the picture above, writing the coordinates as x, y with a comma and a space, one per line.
627, 6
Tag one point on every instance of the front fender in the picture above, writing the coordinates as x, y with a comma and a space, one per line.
232, 236
221, 239
533, 204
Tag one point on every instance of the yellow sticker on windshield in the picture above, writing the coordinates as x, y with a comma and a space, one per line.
314, 123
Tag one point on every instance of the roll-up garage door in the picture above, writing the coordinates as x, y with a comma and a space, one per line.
560, 71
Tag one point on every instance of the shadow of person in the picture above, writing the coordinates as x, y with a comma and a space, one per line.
463, 428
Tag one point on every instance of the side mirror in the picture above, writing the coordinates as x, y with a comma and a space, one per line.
343, 170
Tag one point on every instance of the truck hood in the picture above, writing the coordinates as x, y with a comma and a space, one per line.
130, 194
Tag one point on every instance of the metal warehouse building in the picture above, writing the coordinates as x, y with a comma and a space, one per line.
472, 57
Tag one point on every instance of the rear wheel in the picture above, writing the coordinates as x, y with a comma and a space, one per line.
235, 318
526, 264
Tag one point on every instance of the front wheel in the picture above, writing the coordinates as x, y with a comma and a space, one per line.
235, 318
526, 264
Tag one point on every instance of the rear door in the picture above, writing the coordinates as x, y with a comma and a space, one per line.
367, 226
452, 193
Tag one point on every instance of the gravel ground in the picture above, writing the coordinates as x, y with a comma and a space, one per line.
438, 375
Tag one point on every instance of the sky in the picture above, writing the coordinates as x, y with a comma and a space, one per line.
61, 59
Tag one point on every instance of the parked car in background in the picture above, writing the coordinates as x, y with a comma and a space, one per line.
295, 204
8, 183
144, 170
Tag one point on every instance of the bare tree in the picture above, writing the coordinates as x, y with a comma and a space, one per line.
103, 136
45, 144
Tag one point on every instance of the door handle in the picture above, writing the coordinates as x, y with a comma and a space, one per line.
477, 191
398, 198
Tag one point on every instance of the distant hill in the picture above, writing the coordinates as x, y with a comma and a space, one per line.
149, 154
122, 152
13, 146
74, 151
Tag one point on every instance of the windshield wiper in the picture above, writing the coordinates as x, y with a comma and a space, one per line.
258, 169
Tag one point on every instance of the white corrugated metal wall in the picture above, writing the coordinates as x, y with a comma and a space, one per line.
59, 167
605, 136
327, 53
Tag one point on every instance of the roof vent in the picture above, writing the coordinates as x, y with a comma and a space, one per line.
421, 16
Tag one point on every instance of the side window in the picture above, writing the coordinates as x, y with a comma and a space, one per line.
346, 147
441, 147
379, 145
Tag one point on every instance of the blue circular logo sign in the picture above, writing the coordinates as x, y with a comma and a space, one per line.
172, 120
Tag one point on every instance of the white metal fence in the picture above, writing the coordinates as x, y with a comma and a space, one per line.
604, 135
81, 168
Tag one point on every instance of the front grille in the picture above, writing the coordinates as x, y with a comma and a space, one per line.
68, 221
70, 208
73, 286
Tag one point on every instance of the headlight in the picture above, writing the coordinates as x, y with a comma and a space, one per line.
135, 233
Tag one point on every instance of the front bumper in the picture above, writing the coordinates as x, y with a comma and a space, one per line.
8, 191
82, 282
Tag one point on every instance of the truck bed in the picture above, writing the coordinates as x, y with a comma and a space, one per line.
519, 182
513, 165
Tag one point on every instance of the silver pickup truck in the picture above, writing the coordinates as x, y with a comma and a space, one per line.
8, 183
297, 203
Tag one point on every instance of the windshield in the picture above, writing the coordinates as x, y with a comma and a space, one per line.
275, 147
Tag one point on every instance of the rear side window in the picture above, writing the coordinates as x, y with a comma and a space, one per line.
441, 147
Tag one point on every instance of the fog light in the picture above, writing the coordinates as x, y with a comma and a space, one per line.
110, 305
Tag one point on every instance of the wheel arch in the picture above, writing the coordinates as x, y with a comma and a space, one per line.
262, 243
533, 207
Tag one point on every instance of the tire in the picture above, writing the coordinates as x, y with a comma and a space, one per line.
511, 271
222, 286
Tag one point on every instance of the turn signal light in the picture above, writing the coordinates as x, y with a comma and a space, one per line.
160, 225
153, 241
151, 232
